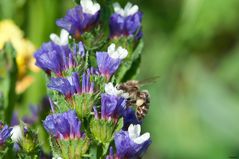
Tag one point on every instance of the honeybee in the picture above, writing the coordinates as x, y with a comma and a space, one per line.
139, 99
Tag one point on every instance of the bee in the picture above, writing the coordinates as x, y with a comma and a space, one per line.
136, 97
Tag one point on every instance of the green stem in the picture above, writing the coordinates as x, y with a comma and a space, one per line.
12, 77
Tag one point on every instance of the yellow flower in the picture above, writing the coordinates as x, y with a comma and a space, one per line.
9, 32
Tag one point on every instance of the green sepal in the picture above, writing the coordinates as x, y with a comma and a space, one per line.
30, 142
6, 149
103, 130
29, 145
119, 125
83, 105
95, 39
62, 105
70, 148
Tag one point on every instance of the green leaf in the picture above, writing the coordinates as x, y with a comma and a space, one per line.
130, 65
93, 151
9, 82
133, 71
119, 125
105, 149
76, 1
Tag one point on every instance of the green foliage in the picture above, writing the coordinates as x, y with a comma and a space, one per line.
83, 105
103, 130
8, 61
129, 67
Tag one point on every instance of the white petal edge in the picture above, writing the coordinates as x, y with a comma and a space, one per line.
134, 131
55, 38
64, 37
142, 138
62, 40
122, 52
16, 133
117, 53
128, 10
112, 90
89, 7
133, 10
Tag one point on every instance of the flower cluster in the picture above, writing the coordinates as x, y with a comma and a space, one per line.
88, 109
63, 126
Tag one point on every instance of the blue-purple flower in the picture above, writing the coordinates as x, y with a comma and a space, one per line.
111, 154
63, 125
72, 85
113, 104
130, 144
80, 18
5, 133
93, 71
108, 62
130, 118
54, 58
126, 22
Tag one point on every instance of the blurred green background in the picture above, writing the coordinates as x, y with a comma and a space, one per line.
193, 46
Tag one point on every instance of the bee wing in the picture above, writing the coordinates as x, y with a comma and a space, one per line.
149, 81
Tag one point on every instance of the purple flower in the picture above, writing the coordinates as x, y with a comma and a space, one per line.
129, 144
5, 133
71, 85
108, 62
63, 125
79, 49
93, 71
54, 58
107, 65
61, 85
126, 22
112, 106
111, 154
130, 118
80, 18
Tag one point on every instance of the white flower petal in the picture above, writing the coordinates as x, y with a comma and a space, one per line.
16, 133
122, 52
117, 53
111, 90
142, 138
62, 40
117, 7
128, 10
111, 48
134, 134
134, 131
64, 37
55, 38
128, 6
132, 10
89, 7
